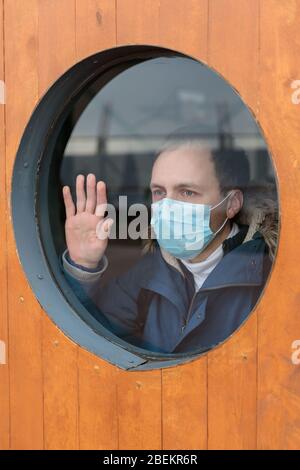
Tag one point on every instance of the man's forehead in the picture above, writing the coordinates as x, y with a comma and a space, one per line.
183, 168
185, 153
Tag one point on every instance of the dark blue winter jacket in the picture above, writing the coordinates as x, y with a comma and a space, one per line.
154, 305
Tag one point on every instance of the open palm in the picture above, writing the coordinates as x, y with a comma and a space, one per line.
86, 229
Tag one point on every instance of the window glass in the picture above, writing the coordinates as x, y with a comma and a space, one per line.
172, 144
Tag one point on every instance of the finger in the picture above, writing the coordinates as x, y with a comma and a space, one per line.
80, 194
103, 228
69, 204
101, 199
91, 193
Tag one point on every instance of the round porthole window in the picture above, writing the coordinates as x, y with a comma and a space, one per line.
145, 207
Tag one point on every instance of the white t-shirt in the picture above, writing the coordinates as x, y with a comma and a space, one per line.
202, 269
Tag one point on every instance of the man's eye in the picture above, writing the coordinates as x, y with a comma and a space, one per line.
188, 192
157, 192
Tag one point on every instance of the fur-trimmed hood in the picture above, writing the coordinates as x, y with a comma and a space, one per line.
259, 212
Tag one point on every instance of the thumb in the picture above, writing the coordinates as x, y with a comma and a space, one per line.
103, 228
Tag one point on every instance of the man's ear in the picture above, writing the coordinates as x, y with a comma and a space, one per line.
235, 203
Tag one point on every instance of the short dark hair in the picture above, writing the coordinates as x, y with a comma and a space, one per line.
231, 164
232, 169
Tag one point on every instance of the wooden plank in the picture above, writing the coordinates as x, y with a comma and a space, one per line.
57, 48
139, 422
98, 417
95, 26
4, 366
183, 27
184, 405
232, 391
139, 409
169, 24
123, 399
60, 389
98, 397
279, 321
21, 25
233, 51
56, 54
137, 22
180, 25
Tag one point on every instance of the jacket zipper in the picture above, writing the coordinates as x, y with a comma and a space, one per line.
189, 311
207, 289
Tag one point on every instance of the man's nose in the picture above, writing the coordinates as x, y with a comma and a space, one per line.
171, 194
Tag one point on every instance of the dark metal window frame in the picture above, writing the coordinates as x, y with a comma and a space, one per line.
30, 208
30, 212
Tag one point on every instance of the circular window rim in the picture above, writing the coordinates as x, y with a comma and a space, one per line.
33, 156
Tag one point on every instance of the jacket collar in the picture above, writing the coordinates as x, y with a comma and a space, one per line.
241, 265
233, 242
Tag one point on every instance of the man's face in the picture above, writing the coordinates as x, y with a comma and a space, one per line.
188, 175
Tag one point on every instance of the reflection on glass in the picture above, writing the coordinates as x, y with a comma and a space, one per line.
170, 134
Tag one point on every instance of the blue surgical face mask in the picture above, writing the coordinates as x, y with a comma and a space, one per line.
182, 228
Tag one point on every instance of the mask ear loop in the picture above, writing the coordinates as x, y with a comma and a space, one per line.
221, 201
223, 225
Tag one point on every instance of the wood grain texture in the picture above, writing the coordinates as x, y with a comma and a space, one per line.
139, 409
233, 47
243, 395
279, 320
25, 328
139, 393
98, 398
184, 405
4, 365
98, 380
57, 52
155, 23
95, 26
60, 365
184, 388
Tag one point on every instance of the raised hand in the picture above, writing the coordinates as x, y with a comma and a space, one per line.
86, 229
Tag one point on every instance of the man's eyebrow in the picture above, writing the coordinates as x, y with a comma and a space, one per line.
155, 185
187, 184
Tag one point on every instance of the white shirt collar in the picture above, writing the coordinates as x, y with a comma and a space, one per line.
212, 260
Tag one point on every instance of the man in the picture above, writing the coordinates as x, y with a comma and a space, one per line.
181, 296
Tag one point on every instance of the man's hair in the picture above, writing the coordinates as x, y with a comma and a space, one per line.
231, 165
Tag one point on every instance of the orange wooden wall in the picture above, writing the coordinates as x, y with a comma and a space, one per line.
246, 393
